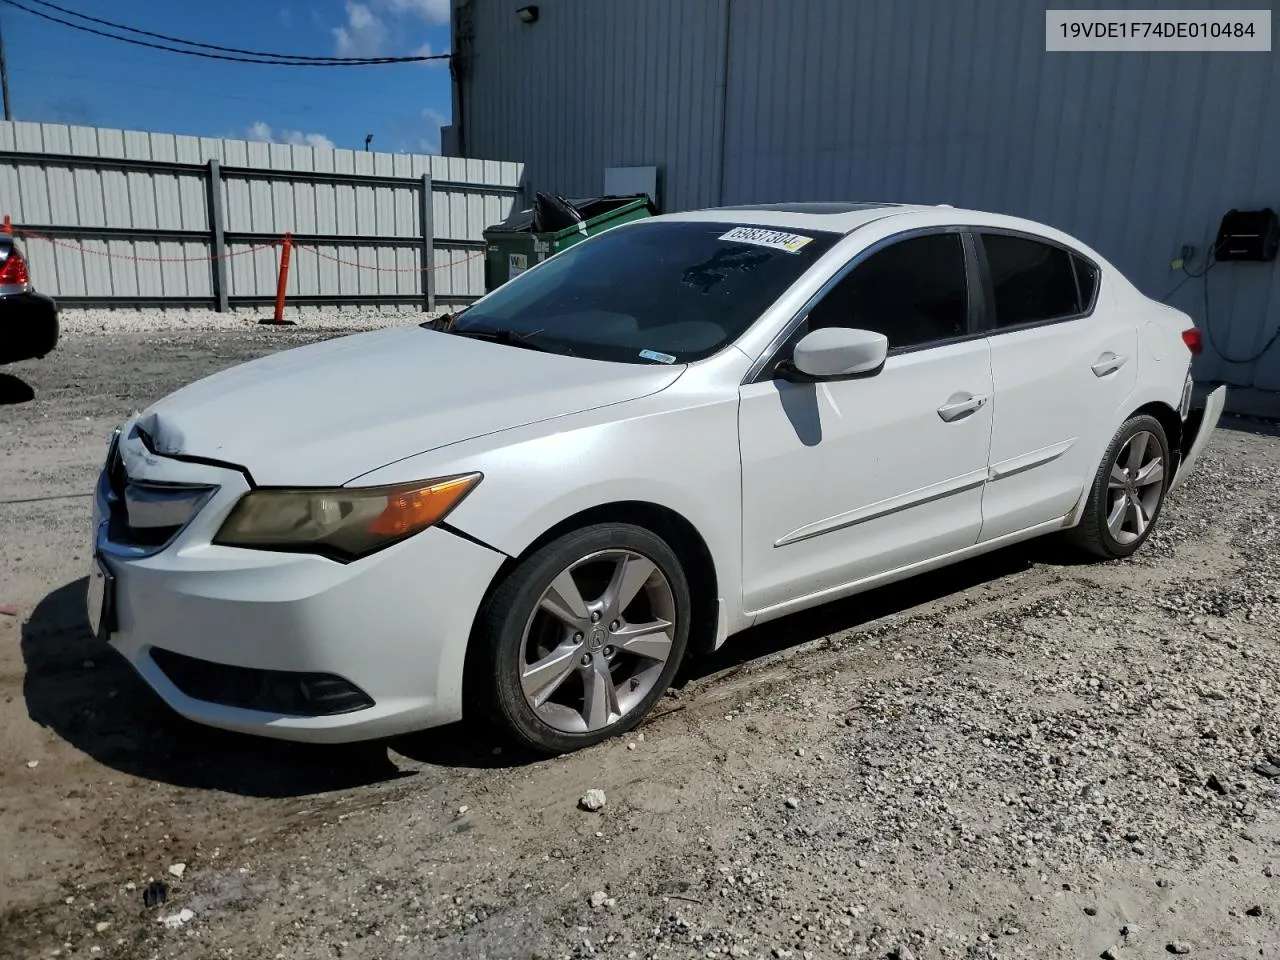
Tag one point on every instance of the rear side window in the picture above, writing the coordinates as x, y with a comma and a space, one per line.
1033, 282
1086, 279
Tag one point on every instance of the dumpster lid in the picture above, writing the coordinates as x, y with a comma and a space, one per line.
523, 221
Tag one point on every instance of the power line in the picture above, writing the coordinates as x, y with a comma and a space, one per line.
205, 46
285, 60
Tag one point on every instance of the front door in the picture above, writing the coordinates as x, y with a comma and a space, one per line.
844, 480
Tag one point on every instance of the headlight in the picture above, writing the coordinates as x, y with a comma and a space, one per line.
345, 523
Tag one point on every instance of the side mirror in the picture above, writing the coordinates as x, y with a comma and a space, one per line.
839, 352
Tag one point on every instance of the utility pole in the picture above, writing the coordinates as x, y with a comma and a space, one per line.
4, 79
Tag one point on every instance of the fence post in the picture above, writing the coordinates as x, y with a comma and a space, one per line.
282, 281
426, 219
217, 242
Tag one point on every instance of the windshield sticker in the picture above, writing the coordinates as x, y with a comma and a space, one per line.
659, 357
790, 242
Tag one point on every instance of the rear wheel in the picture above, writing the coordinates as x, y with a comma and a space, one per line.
1128, 491
581, 638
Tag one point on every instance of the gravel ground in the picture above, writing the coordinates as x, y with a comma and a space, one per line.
1020, 757
112, 321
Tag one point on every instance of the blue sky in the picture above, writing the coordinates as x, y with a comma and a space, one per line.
60, 75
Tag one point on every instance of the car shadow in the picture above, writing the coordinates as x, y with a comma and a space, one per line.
809, 625
89, 695
15, 390
1260, 426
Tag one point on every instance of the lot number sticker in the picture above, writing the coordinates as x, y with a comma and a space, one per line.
758, 236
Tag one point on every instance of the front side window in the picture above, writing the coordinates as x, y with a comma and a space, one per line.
1032, 282
660, 292
914, 292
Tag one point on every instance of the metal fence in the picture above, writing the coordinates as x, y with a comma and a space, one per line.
125, 218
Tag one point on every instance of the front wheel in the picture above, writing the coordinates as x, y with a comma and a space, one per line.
581, 638
1128, 491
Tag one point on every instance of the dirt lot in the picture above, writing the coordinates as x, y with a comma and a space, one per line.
1021, 757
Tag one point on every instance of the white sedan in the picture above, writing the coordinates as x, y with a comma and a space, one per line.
666, 434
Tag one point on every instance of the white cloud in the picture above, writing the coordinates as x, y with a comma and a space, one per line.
263, 133
366, 33
432, 11
363, 35
298, 138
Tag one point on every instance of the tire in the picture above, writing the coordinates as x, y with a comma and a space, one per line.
559, 681
1119, 486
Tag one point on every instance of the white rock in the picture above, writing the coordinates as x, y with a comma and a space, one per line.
32, 764
102, 926
178, 869
592, 800
463, 809
175, 920
600, 899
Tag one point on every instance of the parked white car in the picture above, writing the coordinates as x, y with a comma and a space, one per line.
662, 436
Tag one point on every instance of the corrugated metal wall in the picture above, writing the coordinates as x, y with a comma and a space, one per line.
1135, 153
598, 84
467, 196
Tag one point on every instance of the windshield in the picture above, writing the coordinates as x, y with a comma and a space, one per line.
661, 292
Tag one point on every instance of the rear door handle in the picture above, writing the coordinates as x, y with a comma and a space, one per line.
961, 405
1108, 364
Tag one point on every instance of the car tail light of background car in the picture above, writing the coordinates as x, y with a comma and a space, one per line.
13, 270
1193, 340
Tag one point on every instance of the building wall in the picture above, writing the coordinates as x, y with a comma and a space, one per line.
915, 100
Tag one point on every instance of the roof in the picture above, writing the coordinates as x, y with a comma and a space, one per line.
833, 217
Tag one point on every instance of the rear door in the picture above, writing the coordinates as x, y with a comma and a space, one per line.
1063, 365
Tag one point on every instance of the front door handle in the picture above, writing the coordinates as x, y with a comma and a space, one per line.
961, 405
1108, 364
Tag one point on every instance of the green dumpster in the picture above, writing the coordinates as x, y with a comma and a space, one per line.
518, 243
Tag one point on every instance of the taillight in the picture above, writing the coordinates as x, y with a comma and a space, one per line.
13, 271
1193, 341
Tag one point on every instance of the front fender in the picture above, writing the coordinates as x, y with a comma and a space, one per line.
682, 456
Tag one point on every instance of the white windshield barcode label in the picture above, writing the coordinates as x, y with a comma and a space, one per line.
760, 237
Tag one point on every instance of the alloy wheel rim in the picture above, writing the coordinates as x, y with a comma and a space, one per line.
1135, 487
597, 641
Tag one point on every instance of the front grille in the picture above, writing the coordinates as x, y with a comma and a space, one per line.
146, 514
269, 691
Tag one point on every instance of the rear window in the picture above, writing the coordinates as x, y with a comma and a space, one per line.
1032, 281
657, 292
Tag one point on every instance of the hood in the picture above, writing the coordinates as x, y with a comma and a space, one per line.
323, 414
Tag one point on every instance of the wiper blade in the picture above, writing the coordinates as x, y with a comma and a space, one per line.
506, 337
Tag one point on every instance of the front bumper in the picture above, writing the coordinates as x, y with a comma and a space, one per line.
394, 625
28, 326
